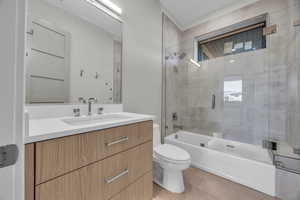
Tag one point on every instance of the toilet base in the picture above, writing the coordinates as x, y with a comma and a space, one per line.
173, 181
169, 179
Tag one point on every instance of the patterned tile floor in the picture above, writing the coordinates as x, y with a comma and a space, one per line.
201, 185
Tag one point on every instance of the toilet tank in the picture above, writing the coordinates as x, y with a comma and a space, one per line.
156, 135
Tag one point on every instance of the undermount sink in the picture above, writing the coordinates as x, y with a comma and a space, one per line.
85, 120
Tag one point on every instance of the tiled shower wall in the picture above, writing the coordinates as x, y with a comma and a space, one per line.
269, 77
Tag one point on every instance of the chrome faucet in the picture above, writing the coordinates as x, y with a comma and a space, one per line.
90, 102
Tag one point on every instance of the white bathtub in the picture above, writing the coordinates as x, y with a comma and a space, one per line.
246, 164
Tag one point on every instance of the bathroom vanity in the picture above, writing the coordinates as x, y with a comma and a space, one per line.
74, 63
114, 161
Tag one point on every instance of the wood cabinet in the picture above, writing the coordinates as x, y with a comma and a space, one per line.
140, 190
59, 156
121, 138
91, 166
133, 164
81, 184
29, 172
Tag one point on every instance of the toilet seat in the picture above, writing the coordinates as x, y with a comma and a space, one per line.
171, 153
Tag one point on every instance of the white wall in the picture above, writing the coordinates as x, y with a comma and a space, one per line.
91, 49
12, 14
142, 50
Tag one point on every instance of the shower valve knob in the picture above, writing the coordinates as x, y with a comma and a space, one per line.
174, 116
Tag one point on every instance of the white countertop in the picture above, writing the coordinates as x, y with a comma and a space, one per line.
50, 128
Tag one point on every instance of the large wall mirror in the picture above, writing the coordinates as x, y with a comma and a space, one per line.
74, 51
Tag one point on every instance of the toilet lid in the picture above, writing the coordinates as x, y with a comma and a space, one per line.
171, 152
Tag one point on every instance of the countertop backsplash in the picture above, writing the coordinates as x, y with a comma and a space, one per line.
40, 111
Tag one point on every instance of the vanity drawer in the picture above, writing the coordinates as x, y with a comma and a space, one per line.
124, 137
82, 184
125, 168
142, 189
101, 180
60, 156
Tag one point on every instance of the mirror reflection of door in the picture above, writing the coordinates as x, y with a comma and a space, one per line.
47, 63
117, 85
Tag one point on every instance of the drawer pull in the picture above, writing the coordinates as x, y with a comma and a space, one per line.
122, 139
112, 179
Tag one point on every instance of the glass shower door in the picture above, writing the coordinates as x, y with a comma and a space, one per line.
293, 136
283, 62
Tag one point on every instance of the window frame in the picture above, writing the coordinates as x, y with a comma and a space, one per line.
236, 28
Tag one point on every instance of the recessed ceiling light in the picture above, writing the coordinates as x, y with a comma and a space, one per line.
107, 4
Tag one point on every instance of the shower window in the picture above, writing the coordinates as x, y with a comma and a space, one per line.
239, 40
233, 90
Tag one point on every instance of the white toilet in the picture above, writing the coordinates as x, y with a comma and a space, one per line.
169, 162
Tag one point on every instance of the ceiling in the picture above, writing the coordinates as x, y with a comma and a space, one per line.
187, 13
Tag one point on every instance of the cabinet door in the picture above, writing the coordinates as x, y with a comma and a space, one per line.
82, 184
125, 168
29, 172
60, 156
140, 190
122, 138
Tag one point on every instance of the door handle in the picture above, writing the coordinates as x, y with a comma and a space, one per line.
213, 102
8, 155
31, 32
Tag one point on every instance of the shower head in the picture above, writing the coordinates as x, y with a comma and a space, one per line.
182, 55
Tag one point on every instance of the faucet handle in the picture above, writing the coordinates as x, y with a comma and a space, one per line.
82, 100
76, 112
100, 110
